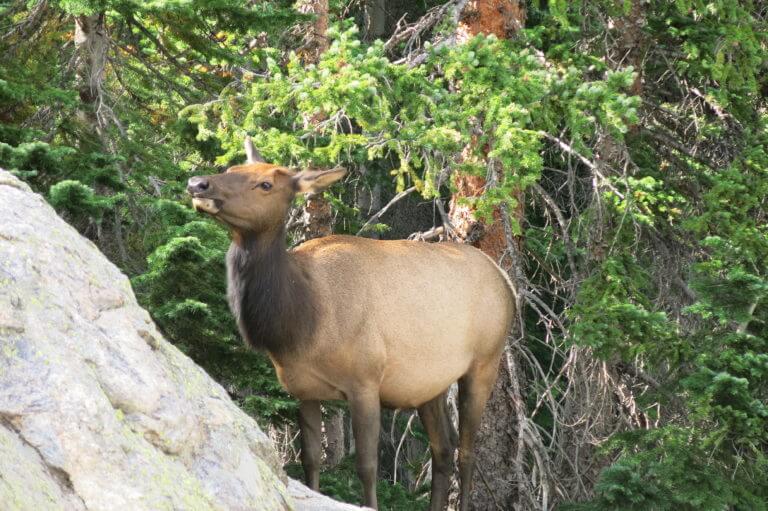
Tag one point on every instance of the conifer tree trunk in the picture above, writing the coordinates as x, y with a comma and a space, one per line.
317, 214
335, 448
375, 19
91, 57
632, 42
316, 40
497, 447
91, 47
627, 48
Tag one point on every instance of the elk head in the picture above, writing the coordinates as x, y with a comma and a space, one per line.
255, 197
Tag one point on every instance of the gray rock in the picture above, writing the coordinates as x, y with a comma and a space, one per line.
97, 410
307, 500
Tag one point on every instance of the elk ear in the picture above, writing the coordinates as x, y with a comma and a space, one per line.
316, 180
253, 155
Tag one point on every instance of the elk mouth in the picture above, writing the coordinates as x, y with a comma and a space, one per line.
206, 205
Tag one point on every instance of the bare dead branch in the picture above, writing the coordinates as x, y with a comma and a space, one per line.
454, 10
430, 235
570, 150
400, 445
569, 248
29, 24
375, 218
414, 30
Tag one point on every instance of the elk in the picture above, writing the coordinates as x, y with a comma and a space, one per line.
374, 323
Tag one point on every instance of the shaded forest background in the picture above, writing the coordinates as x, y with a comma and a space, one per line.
611, 155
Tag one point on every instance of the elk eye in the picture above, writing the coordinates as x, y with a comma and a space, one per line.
266, 186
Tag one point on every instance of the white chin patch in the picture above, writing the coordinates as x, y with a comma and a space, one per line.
205, 205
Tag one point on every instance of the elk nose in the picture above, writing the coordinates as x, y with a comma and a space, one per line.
197, 184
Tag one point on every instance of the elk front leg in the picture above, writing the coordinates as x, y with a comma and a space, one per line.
366, 410
310, 424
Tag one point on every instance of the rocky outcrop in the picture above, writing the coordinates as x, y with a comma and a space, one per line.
97, 410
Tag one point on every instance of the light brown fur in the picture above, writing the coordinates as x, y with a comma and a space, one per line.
383, 325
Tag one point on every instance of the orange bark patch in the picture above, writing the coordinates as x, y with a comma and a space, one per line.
494, 241
502, 18
319, 217
316, 41
463, 214
491, 239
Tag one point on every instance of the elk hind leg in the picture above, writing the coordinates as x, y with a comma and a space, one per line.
474, 390
310, 424
365, 409
442, 443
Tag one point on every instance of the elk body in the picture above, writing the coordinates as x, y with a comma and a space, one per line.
375, 323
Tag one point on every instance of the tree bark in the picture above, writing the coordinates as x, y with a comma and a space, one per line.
497, 448
632, 43
375, 19
335, 448
318, 217
316, 40
503, 18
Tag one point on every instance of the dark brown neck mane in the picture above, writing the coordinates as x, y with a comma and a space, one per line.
269, 294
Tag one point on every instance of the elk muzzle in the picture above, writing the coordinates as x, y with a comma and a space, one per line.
197, 186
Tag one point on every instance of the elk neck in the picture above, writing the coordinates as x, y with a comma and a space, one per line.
269, 293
